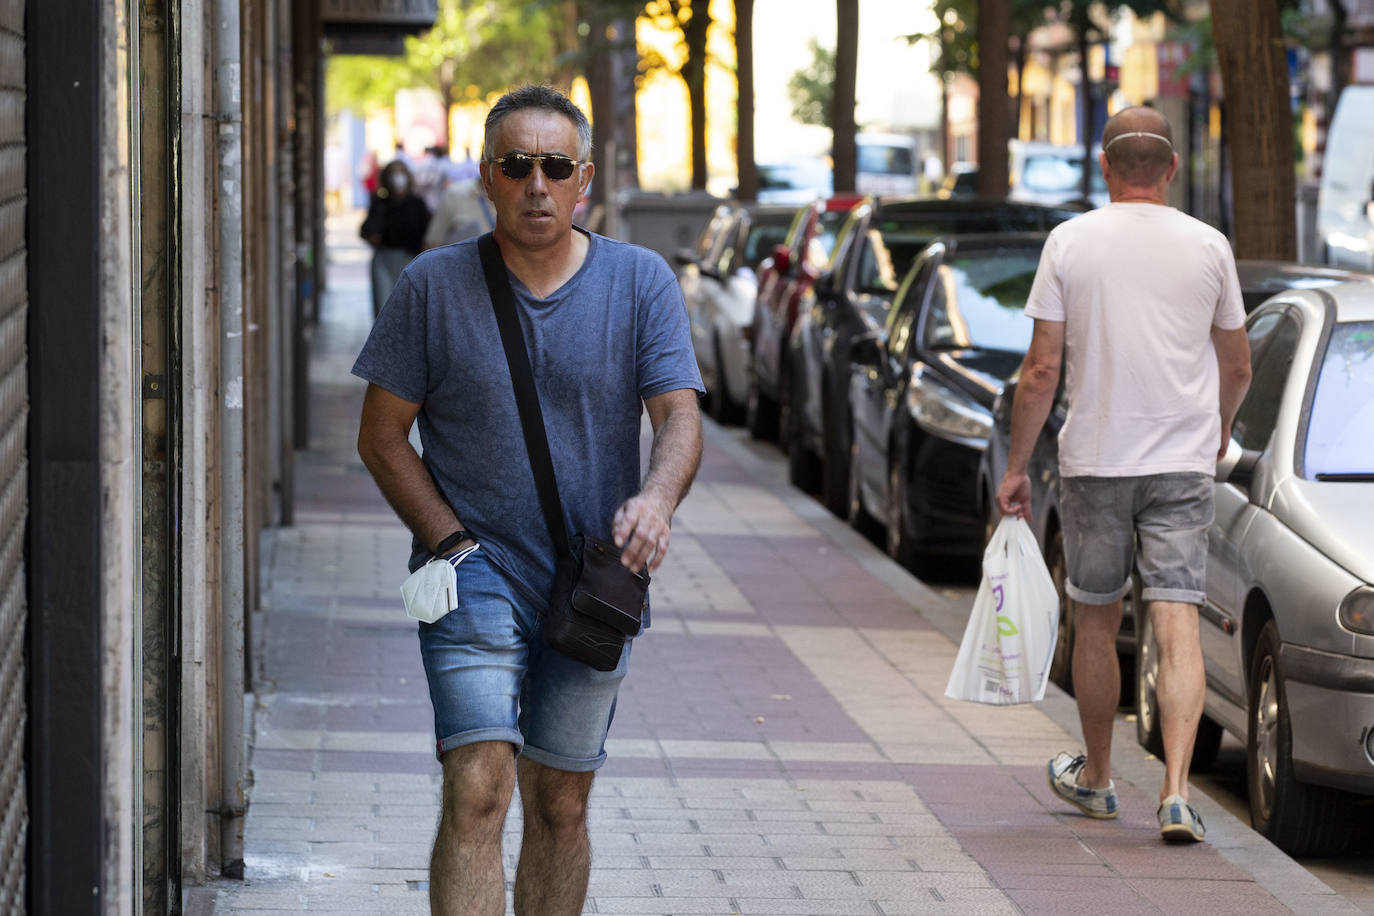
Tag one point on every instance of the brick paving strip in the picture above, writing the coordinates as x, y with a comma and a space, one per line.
781, 746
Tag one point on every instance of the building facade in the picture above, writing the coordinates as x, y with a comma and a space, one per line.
161, 219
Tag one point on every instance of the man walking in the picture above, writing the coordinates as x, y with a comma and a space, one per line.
1143, 305
608, 337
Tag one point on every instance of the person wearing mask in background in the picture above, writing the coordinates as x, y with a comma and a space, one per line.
395, 228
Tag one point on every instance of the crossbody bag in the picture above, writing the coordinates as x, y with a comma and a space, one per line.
596, 603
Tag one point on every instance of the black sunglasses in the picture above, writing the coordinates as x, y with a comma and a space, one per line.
517, 166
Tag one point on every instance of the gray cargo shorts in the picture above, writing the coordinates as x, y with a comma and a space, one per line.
1103, 516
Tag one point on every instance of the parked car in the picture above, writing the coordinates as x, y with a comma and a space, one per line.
921, 392
796, 181
720, 286
1288, 627
873, 251
962, 181
1259, 280
1049, 174
794, 265
886, 163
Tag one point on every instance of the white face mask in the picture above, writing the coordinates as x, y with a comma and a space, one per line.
399, 183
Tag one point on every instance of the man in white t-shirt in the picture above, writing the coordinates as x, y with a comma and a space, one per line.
1142, 306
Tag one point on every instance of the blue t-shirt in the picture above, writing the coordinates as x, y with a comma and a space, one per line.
613, 335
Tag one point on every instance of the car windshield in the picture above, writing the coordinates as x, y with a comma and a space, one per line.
823, 243
763, 237
1046, 172
980, 301
1340, 427
885, 160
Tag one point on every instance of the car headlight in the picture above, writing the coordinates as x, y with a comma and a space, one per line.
945, 413
1357, 610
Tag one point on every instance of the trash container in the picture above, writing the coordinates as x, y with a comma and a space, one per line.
666, 223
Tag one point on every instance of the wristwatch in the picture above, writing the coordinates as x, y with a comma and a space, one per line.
453, 540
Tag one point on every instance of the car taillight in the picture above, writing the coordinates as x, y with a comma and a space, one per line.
1357, 610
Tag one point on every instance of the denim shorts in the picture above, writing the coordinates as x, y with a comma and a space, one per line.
492, 678
1103, 518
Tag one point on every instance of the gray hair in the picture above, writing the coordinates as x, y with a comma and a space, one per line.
543, 98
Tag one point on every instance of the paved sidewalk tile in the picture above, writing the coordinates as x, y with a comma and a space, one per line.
782, 744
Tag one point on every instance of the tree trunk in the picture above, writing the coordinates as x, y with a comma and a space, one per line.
694, 74
1088, 130
744, 57
844, 150
1340, 59
1254, 76
601, 88
994, 23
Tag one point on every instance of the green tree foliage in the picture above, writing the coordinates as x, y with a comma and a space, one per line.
811, 91
476, 48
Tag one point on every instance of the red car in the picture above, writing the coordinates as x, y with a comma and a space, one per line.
783, 278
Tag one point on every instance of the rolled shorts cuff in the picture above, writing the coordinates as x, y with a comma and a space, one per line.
566, 764
477, 735
1179, 595
1082, 597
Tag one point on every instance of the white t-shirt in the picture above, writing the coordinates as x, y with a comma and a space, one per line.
1139, 288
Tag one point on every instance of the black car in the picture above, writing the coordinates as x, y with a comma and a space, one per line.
921, 392
1258, 281
872, 252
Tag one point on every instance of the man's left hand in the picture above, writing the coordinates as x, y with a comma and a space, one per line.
642, 530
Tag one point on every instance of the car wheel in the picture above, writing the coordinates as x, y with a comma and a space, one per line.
724, 408
803, 468
899, 543
1147, 727
785, 410
1061, 666
761, 411
835, 466
863, 522
1301, 819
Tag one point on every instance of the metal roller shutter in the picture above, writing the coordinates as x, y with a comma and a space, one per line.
13, 464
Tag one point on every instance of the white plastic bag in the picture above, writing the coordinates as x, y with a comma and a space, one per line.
1009, 641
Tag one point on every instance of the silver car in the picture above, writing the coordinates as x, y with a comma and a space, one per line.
1288, 628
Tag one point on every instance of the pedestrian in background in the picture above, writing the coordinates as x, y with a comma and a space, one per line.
394, 227
463, 212
1142, 304
608, 338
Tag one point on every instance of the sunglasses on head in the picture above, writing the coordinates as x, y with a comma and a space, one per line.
517, 166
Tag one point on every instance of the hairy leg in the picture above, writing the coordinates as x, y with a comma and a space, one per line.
1180, 688
465, 874
555, 853
1096, 685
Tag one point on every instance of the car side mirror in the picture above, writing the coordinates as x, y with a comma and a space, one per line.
867, 350
782, 258
825, 284
1237, 466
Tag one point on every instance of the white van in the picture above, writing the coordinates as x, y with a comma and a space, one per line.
1345, 203
1050, 175
887, 164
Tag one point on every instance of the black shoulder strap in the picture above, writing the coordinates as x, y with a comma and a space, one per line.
526, 396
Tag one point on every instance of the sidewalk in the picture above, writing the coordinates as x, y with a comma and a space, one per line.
782, 744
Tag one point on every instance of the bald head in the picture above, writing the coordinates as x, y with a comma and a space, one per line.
1139, 146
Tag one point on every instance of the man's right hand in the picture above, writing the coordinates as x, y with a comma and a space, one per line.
1013, 496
